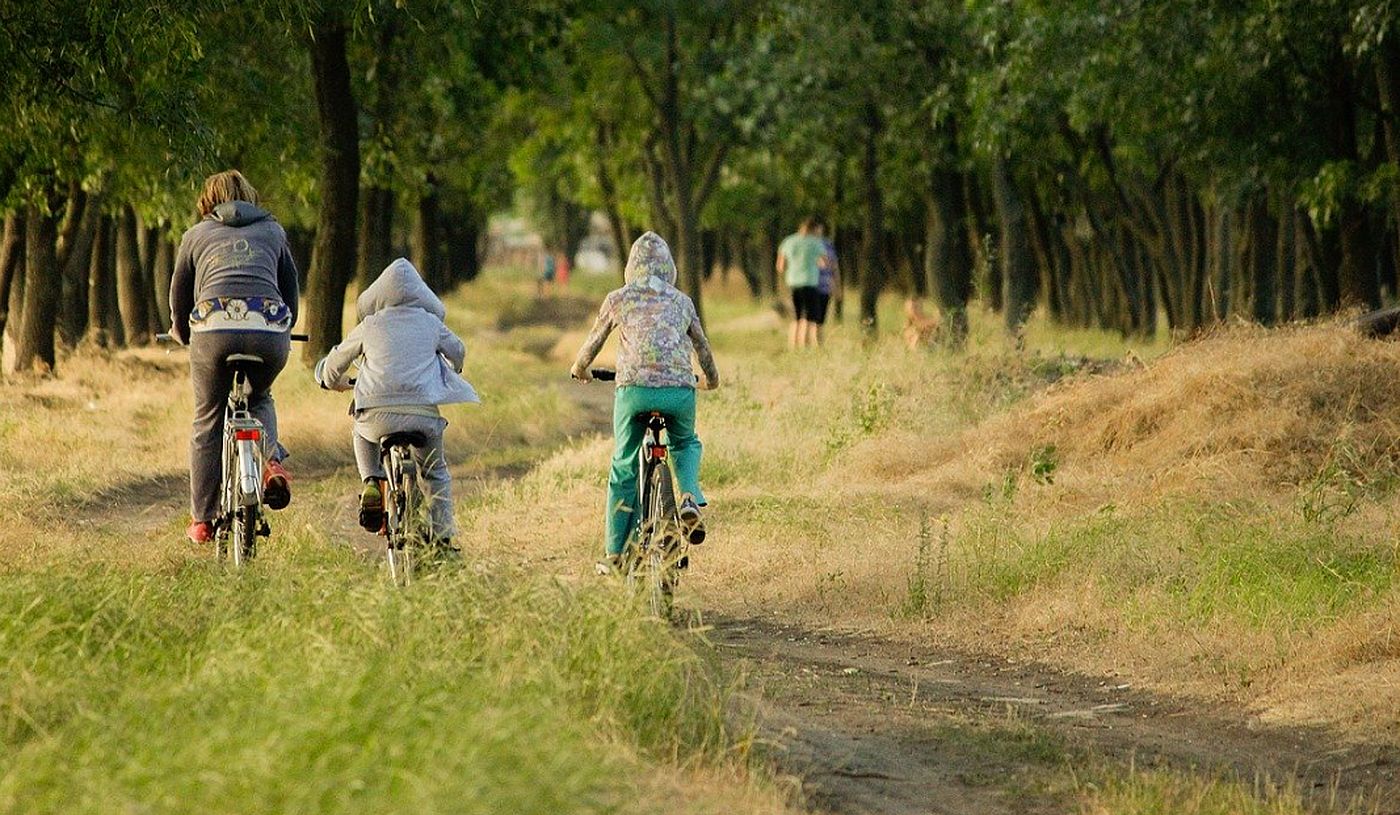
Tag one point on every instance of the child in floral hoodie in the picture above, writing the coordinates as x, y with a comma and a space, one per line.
658, 328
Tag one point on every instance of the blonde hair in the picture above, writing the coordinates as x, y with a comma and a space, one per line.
219, 188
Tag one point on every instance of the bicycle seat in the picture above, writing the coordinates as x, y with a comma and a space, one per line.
411, 438
238, 359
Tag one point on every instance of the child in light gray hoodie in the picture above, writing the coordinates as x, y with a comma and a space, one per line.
409, 363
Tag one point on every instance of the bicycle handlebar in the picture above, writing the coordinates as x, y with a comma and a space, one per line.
609, 375
295, 337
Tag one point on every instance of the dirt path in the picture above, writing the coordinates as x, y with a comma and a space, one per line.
873, 726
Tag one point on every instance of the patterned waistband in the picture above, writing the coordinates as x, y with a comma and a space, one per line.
241, 314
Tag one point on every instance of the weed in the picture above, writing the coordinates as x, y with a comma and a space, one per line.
926, 585
1335, 489
1043, 463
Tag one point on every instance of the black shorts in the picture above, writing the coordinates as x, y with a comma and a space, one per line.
809, 303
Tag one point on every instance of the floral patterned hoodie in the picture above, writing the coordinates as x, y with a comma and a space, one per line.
657, 324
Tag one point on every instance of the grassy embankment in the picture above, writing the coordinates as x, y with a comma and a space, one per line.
137, 676
1215, 518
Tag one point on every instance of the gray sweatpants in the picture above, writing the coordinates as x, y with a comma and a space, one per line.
212, 377
373, 425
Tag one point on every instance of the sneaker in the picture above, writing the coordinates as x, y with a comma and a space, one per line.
691, 521
609, 565
372, 507
277, 485
200, 532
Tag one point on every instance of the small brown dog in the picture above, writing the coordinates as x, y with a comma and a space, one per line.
920, 328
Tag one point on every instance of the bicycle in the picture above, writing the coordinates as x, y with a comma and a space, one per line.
407, 530
406, 527
241, 519
658, 550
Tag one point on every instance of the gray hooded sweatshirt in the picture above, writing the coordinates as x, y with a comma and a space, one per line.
239, 251
406, 355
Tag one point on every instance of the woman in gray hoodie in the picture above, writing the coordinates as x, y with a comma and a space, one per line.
234, 291
409, 363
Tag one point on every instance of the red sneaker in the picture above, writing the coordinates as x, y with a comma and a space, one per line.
277, 485
200, 532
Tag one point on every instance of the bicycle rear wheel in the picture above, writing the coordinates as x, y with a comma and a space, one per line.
404, 538
243, 540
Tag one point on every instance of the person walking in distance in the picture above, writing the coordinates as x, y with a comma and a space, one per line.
799, 261
233, 291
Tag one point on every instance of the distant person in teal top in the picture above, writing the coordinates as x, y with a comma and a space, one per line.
801, 257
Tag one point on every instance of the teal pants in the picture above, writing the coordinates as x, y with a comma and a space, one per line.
678, 406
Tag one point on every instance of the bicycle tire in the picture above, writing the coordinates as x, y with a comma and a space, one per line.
227, 502
403, 536
244, 541
659, 528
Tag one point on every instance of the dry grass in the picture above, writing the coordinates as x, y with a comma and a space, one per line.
1214, 518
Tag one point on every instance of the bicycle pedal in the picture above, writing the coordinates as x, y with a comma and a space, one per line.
684, 562
264, 530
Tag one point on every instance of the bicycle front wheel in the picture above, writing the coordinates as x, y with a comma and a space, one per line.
659, 541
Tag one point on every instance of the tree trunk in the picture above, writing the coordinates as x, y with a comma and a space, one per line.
132, 291
34, 346
463, 247
1388, 87
333, 254
872, 277
1323, 254
104, 322
607, 187
423, 239
1018, 276
1358, 283
1356, 271
11, 260
947, 257
1263, 251
162, 269
148, 244
376, 235
73, 304
1285, 260
709, 248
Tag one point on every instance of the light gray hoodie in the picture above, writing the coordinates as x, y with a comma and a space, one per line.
406, 355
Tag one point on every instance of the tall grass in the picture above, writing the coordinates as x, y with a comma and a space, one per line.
307, 684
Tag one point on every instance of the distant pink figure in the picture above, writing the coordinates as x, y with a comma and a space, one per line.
561, 266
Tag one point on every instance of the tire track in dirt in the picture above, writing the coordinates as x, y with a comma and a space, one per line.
874, 726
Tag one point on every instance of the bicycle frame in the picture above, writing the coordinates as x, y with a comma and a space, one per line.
240, 511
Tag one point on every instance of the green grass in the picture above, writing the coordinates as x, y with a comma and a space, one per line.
307, 685
1159, 792
1190, 564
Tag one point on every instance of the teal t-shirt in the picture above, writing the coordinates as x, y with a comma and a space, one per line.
802, 253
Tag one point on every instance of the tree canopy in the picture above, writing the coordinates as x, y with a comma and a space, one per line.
1112, 163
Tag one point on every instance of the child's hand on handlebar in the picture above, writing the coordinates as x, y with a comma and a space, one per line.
581, 373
